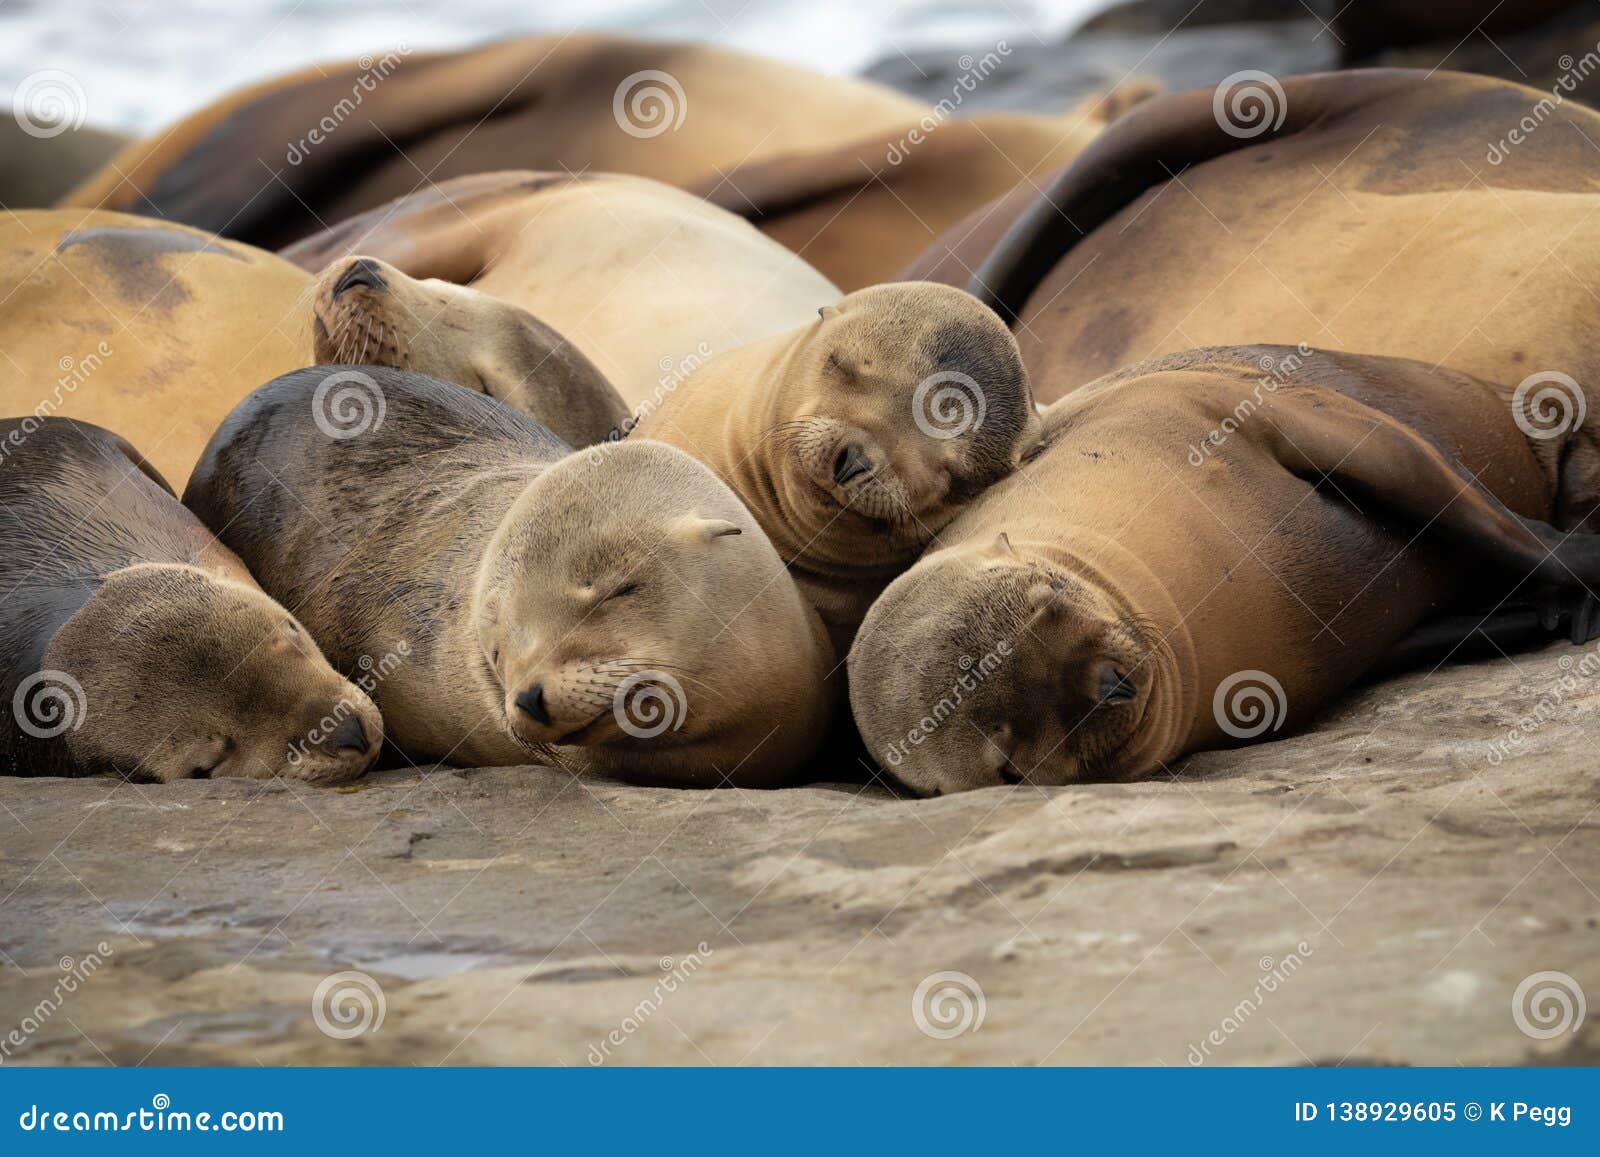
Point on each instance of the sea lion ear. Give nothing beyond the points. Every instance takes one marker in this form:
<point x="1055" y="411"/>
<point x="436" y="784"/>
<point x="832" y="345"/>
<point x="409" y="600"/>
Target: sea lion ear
<point x="1002" y="546"/>
<point x="693" y="528"/>
<point x="827" y="311"/>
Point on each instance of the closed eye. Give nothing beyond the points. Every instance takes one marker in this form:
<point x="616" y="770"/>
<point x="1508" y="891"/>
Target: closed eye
<point x="622" y="591"/>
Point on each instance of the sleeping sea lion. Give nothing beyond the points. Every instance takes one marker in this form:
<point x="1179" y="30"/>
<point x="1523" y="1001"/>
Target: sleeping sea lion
<point x="133" y="643"/>
<point x="277" y="161"/>
<point x="620" y="604"/>
<point x="854" y="438"/>
<point x="158" y="330"/>
<point x="1199" y="555"/>
<point x="1358" y="210"/>
<point x="644" y="279"/>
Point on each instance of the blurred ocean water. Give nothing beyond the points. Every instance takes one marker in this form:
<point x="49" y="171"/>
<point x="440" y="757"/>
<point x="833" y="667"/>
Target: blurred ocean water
<point x="138" y="64"/>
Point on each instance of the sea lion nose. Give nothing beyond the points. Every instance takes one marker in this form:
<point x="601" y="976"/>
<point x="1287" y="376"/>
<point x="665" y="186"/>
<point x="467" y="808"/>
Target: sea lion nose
<point x="851" y="461"/>
<point x="352" y="736"/>
<point x="363" y="271"/>
<point x="531" y="704"/>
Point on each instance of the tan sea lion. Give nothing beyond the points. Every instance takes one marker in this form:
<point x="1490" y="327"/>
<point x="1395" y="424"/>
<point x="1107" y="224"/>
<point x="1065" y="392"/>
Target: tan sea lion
<point x="1357" y="210"/>
<point x="158" y="330"/>
<point x="277" y="161"/>
<point x="620" y="603"/>
<point x="855" y="437"/>
<point x="646" y="280"/>
<point x="1200" y="555"/>
<point x="862" y="211"/>
<point x="133" y="643"/>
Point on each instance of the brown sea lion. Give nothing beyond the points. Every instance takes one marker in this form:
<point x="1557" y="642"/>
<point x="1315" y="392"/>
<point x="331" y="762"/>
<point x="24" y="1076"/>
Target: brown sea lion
<point x="1200" y="555"/>
<point x="619" y="603"/>
<point x="645" y="279"/>
<point x="133" y="643"/>
<point x="855" y="437"/>
<point x="862" y="211"/>
<point x="277" y="161"/>
<point x="158" y="330"/>
<point x="1356" y="210"/>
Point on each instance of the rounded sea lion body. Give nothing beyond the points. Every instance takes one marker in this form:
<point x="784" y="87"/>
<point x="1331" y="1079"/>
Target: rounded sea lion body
<point x="544" y="598"/>
<point x="855" y="437"/>
<point x="646" y="280"/>
<point x="261" y="166"/>
<point x="1201" y="554"/>
<point x="158" y="330"/>
<point x="133" y="643"/>
<point x="1366" y="211"/>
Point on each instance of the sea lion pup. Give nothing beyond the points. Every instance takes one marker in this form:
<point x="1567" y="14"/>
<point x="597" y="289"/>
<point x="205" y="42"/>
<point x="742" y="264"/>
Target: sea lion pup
<point x="1339" y="210"/>
<point x="159" y="330"/>
<point x="133" y="643"/>
<point x="1192" y="560"/>
<point x="645" y="280"/>
<point x="620" y="603"/>
<point x="261" y="166"/>
<point x="854" y="438"/>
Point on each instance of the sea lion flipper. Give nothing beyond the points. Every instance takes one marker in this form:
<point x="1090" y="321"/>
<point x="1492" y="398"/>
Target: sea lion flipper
<point x="1319" y="433"/>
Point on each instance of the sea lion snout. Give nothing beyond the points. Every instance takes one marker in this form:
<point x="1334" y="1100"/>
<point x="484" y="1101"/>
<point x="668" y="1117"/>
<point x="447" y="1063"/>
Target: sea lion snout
<point x="361" y="273"/>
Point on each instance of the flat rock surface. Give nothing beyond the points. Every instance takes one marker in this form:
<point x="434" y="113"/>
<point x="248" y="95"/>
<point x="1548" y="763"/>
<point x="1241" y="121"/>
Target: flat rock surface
<point x="1373" y="891"/>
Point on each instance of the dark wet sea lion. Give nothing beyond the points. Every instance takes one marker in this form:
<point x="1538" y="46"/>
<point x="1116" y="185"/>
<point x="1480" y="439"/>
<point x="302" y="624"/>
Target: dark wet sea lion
<point x="1200" y="555"/>
<point x="133" y="643"/>
<point x="618" y="603"/>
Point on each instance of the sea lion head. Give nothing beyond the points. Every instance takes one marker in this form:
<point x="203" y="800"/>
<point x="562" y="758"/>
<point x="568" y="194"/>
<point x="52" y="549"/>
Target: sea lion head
<point x="898" y="406"/>
<point x="629" y="601"/>
<point x="367" y="312"/>
<point x="1000" y="665"/>
<point x="177" y="673"/>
